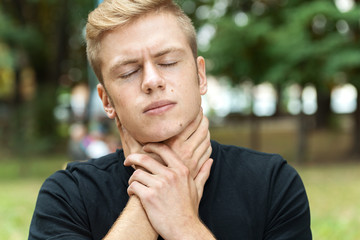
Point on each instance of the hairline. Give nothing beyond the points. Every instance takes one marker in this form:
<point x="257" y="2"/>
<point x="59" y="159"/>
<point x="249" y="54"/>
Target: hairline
<point x="96" y="61"/>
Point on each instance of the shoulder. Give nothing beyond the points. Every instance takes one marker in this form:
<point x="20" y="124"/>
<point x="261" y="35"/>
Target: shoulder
<point x="245" y="159"/>
<point x="69" y="178"/>
<point x="267" y="171"/>
<point x="79" y="171"/>
<point x="75" y="194"/>
<point x="236" y="152"/>
<point x="85" y="178"/>
<point x="271" y="183"/>
<point x="107" y="167"/>
<point x="102" y="163"/>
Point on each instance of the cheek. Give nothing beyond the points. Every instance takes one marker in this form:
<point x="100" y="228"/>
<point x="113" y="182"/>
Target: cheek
<point x="122" y="111"/>
<point x="119" y="106"/>
<point x="192" y="105"/>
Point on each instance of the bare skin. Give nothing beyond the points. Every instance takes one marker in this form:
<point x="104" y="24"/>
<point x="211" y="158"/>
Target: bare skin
<point x="168" y="194"/>
<point x="153" y="82"/>
<point x="194" y="145"/>
<point x="153" y="88"/>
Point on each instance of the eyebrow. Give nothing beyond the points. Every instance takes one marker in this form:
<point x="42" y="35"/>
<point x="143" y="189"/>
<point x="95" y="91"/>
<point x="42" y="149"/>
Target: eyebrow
<point x="166" y="51"/>
<point x="121" y="63"/>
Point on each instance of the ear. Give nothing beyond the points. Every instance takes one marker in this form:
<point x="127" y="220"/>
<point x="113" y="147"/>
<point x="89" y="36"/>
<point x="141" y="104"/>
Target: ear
<point x="200" y="61"/>
<point x="108" y="107"/>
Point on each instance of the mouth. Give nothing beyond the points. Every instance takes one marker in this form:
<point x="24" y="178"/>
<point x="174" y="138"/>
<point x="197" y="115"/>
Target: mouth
<point x="159" y="107"/>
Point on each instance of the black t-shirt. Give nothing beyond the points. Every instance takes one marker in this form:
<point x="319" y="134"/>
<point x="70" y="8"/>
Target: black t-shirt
<point x="249" y="195"/>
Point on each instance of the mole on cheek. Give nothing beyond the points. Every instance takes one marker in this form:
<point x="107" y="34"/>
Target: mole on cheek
<point x="172" y="90"/>
<point x="180" y="125"/>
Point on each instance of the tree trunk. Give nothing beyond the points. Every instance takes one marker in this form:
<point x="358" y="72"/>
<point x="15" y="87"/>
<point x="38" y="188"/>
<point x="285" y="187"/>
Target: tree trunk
<point x="17" y="136"/>
<point x="323" y="113"/>
<point x="46" y="97"/>
<point x="254" y="127"/>
<point x="302" y="143"/>
<point x="254" y="132"/>
<point x="302" y="148"/>
<point x="279" y="100"/>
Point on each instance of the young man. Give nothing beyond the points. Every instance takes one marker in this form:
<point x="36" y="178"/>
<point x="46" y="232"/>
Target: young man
<point x="163" y="184"/>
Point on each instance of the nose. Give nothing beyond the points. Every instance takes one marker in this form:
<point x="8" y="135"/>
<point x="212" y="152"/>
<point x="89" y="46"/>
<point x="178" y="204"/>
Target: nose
<point x="152" y="79"/>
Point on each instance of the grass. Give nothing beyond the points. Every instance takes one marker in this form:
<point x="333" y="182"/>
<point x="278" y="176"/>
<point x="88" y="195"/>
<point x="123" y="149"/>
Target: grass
<point x="334" y="194"/>
<point x="20" y="182"/>
<point x="17" y="201"/>
<point x="332" y="185"/>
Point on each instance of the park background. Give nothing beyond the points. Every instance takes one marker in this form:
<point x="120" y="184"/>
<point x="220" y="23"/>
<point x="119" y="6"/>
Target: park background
<point x="284" y="77"/>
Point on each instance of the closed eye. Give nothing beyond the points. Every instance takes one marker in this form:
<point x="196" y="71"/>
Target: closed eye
<point x="167" y="64"/>
<point x="128" y="74"/>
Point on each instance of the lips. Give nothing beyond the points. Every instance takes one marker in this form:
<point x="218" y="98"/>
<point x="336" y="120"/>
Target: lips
<point x="159" y="107"/>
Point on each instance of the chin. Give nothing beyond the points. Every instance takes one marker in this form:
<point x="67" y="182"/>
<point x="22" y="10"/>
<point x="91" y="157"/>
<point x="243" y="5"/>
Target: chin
<point x="158" y="137"/>
<point x="162" y="134"/>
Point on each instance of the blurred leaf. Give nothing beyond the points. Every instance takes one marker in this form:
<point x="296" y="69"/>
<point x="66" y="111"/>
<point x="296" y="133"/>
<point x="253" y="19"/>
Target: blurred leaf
<point x="6" y="57"/>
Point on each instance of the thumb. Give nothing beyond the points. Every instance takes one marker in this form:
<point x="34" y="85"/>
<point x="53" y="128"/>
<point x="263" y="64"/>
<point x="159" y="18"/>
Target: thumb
<point x="203" y="176"/>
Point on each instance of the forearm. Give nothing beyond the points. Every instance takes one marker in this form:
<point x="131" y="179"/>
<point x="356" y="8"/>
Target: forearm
<point x="203" y="233"/>
<point x="192" y="230"/>
<point x="133" y="223"/>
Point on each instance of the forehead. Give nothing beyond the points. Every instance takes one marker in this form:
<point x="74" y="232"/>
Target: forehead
<point x="150" y="33"/>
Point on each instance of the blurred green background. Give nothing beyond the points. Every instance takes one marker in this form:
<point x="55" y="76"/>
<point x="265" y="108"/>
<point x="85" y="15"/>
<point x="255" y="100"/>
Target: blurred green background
<point x="284" y="77"/>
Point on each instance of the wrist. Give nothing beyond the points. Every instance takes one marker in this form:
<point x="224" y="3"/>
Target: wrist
<point x="194" y="230"/>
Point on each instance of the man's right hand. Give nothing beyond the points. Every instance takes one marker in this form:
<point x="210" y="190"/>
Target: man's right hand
<point x="193" y="145"/>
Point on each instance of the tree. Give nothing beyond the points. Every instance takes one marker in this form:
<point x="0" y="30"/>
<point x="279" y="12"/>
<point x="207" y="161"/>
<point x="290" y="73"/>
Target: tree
<point x="49" y="35"/>
<point x="310" y="49"/>
<point x="283" y="43"/>
<point x="345" y="58"/>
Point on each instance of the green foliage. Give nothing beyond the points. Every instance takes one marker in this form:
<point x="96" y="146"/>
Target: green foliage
<point x="17" y="36"/>
<point x="305" y="50"/>
<point x="6" y="57"/>
<point x="239" y="52"/>
<point x="45" y="36"/>
<point x="343" y="59"/>
<point x="294" y="42"/>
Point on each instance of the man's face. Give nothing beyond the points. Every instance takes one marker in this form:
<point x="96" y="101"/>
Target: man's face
<point x="151" y="77"/>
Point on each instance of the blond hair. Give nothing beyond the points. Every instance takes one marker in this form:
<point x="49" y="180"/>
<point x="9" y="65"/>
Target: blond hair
<point x="111" y="14"/>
